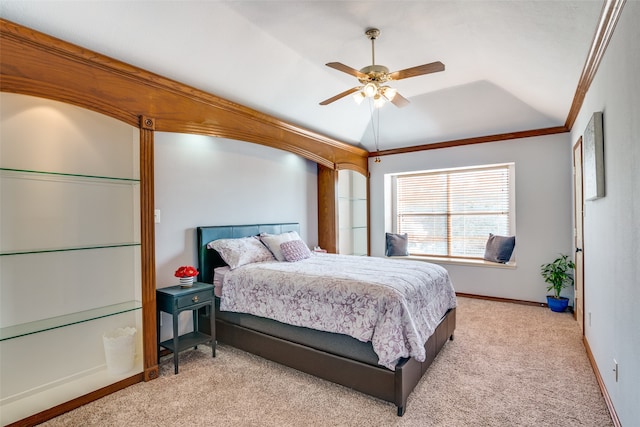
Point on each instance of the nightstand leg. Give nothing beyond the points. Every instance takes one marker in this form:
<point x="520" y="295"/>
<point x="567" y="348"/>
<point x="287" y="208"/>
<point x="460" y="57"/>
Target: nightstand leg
<point x="158" y="332"/>
<point x="212" y="317"/>
<point x="196" y="327"/>
<point x="175" y="342"/>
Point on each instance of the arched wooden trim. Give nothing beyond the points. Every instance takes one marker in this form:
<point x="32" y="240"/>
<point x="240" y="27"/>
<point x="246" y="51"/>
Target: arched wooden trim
<point x="34" y="63"/>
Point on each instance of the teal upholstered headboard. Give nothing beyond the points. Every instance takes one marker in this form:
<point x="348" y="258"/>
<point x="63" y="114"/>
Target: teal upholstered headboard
<point x="208" y="259"/>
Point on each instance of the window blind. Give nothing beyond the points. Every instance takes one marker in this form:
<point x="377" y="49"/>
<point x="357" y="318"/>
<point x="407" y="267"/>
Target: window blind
<point x="452" y="212"/>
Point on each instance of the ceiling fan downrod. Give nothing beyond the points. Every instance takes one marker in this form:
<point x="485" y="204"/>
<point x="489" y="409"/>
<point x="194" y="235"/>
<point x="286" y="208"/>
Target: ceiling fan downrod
<point x="373" y="34"/>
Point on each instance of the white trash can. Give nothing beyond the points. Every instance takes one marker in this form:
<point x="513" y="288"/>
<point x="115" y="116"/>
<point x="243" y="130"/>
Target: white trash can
<point x="120" y="349"/>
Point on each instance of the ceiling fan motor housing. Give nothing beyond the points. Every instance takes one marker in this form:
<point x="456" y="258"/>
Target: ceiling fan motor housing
<point x="375" y="73"/>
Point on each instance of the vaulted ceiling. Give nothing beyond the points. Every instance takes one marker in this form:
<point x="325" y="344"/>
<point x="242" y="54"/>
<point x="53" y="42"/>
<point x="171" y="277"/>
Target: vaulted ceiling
<point x="510" y="65"/>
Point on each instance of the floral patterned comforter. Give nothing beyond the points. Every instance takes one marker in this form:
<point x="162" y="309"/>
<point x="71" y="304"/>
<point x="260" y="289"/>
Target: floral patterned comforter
<point x="395" y="304"/>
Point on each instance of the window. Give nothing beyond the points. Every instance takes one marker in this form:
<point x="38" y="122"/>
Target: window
<point x="450" y="213"/>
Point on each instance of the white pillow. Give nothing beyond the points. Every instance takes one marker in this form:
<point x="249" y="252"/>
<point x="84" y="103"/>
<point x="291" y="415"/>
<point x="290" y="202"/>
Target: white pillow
<point x="273" y="242"/>
<point x="238" y="252"/>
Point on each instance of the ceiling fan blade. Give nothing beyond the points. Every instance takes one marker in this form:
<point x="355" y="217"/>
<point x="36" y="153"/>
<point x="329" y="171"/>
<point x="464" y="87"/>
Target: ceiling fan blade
<point x="346" y="69"/>
<point x="399" y="101"/>
<point x="340" y="95"/>
<point x="433" y="67"/>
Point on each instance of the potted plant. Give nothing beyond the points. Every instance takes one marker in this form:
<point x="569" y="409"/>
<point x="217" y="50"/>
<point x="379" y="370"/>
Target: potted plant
<point x="559" y="275"/>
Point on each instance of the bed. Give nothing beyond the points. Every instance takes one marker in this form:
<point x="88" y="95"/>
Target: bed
<point x="335" y="357"/>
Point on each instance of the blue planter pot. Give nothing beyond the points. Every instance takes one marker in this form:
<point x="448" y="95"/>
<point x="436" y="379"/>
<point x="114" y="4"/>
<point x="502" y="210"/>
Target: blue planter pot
<point x="557" y="304"/>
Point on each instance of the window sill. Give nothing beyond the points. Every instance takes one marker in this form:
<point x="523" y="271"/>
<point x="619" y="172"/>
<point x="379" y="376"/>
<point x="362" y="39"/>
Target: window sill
<point x="461" y="261"/>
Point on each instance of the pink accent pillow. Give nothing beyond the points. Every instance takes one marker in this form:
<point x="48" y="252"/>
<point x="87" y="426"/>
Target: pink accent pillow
<point x="295" y="250"/>
<point x="273" y="242"/>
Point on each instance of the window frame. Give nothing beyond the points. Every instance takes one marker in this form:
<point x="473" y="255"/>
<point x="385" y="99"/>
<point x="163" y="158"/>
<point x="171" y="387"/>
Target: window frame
<point x="391" y="216"/>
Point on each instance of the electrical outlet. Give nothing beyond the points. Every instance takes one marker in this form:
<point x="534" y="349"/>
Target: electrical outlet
<point x="616" y="369"/>
<point x="589" y="318"/>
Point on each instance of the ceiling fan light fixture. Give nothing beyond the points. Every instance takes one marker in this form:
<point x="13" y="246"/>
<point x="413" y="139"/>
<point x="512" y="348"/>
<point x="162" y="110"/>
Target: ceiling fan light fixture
<point x="379" y="101"/>
<point x="370" y="90"/>
<point x="359" y="96"/>
<point x="388" y="92"/>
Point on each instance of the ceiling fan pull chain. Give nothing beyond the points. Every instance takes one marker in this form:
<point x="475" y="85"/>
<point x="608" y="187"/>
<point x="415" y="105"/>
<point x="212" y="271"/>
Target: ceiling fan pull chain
<point x="375" y="128"/>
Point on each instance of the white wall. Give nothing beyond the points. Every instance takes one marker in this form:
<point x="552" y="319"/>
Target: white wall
<point x="203" y="180"/>
<point x="543" y="209"/>
<point x="612" y="224"/>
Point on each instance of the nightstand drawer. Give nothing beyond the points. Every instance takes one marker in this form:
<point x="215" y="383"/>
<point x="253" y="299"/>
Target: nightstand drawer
<point x="195" y="298"/>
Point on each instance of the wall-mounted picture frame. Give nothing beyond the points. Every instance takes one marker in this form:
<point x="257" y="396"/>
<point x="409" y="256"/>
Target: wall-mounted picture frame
<point x="593" y="158"/>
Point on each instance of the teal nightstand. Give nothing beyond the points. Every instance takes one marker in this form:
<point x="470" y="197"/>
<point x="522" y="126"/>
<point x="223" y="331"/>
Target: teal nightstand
<point x="174" y="300"/>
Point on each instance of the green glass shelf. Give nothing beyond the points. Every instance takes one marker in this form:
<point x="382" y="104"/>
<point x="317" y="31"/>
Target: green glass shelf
<point x="69" y="319"/>
<point x="70" y="175"/>
<point x="67" y="249"/>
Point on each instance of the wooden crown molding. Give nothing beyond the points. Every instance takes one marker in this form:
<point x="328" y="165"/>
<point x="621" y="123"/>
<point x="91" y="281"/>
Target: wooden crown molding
<point x="609" y="16"/>
<point x="33" y="63"/>
<point x="474" y="140"/>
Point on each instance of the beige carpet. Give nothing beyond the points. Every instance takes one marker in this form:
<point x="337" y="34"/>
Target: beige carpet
<point x="509" y="365"/>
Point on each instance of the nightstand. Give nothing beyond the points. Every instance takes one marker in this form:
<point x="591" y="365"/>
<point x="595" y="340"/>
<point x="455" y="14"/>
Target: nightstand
<point x="174" y="300"/>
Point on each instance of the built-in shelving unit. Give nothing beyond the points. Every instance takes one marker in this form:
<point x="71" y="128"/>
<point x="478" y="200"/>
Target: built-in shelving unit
<point x="353" y="232"/>
<point x="70" y="251"/>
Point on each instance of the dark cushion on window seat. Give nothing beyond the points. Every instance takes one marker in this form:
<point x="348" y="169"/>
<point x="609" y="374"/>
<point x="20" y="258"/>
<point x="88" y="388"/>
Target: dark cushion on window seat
<point x="397" y="244"/>
<point x="499" y="248"/>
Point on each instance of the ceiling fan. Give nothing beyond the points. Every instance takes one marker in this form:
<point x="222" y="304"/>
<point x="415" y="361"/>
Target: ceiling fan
<point x="373" y="78"/>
